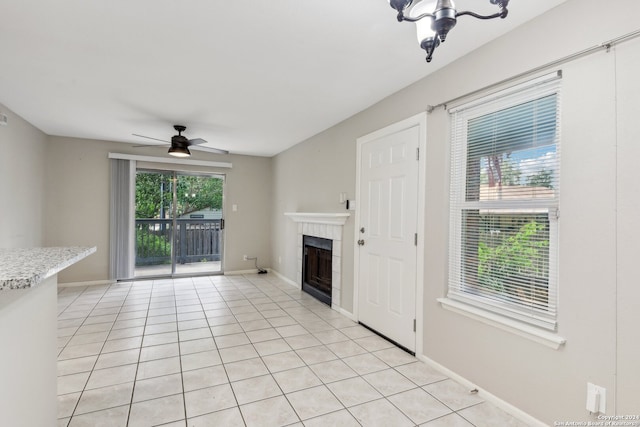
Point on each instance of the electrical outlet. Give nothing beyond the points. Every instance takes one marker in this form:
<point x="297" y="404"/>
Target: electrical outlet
<point x="596" y="399"/>
<point x="245" y="258"/>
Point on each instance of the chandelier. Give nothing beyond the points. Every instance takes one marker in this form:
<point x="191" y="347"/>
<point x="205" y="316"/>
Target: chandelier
<point x="434" y="19"/>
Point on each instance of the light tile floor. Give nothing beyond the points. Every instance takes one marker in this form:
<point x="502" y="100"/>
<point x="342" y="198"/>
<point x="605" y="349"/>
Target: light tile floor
<point x="240" y="351"/>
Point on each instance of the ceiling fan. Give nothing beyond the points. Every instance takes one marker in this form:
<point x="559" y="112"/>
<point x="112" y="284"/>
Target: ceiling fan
<point x="180" y="144"/>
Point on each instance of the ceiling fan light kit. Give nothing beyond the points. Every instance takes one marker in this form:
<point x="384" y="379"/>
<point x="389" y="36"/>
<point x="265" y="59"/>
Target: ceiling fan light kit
<point x="178" y="151"/>
<point x="434" y="19"/>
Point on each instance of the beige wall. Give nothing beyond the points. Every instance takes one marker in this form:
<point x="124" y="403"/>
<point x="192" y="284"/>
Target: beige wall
<point x="309" y="178"/>
<point x="627" y="291"/>
<point x="22" y="169"/>
<point x="77" y="203"/>
<point x="599" y="210"/>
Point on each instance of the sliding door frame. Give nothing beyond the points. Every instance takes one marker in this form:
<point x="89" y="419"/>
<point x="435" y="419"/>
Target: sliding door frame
<point x="174" y="175"/>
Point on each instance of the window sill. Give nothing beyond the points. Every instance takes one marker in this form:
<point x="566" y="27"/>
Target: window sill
<point x="534" y="334"/>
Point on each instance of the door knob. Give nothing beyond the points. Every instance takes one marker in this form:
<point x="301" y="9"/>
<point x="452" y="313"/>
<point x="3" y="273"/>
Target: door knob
<point x="362" y="230"/>
<point x="360" y="242"/>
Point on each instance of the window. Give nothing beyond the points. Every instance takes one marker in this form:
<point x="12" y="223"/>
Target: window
<point x="504" y="203"/>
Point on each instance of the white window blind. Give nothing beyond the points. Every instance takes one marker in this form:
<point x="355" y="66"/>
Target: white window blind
<point x="504" y="202"/>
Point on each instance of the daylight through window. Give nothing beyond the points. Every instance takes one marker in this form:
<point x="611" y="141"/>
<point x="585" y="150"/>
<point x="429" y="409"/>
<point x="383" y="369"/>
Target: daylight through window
<point x="504" y="203"/>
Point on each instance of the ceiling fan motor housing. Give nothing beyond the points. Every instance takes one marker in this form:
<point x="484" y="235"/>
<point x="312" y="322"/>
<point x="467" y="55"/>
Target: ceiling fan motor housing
<point x="179" y="140"/>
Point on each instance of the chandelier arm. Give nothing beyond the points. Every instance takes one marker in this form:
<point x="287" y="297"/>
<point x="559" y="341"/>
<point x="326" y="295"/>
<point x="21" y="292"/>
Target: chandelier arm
<point x="415" y="18"/>
<point x="475" y="15"/>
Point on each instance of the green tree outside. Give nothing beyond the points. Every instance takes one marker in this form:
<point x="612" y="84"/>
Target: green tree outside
<point x="197" y="192"/>
<point x="544" y="178"/>
<point x="500" y="170"/>
<point x="154" y="194"/>
<point x="154" y="199"/>
<point x="516" y="259"/>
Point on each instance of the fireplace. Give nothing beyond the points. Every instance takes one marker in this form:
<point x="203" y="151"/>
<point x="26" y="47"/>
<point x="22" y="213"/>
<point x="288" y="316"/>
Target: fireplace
<point x="327" y="226"/>
<point x="316" y="267"/>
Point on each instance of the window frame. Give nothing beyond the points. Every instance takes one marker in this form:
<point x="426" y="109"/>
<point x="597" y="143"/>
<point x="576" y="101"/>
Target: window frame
<point x="460" y="117"/>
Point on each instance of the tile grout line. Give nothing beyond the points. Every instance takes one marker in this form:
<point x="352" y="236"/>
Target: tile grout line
<point x="221" y="362"/>
<point x="135" y="376"/>
<point x="262" y="360"/>
<point x="184" y="395"/>
<point x="102" y="347"/>
<point x="305" y="365"/>
<point x="97" y="356"/>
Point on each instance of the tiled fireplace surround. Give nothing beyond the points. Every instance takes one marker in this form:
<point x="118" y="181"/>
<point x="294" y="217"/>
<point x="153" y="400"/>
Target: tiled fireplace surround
<point x="326" y="226"/>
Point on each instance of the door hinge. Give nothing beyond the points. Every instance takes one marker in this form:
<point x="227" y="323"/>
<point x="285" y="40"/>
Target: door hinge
<point x="415" y="239"/>
<point x="418" y="153"/>
<point x="414" y="325"/>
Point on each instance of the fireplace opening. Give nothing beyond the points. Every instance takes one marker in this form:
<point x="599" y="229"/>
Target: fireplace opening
<point x="316" y="267"/>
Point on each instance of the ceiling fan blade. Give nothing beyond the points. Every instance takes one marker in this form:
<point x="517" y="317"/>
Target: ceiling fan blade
<point x="197" y="141"/>
<point x="148" y="137"/>
<point x="209" y="150"/>
<point x="148" y="145"/>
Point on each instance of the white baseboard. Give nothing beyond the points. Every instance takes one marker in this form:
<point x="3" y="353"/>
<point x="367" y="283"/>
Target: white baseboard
<point x="489" y="397"/>
<point x="90" y="283"/>
<point x="345" y="313"/>
<point x="284" y="278"/>
<point x="339" y="309"/>
<point x="241" y="272"/>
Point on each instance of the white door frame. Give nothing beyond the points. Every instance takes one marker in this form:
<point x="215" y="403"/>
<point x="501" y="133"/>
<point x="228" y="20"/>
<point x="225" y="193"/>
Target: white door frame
<point x="419" y="120"/>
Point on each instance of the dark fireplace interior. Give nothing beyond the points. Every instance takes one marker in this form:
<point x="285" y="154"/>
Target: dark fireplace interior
<point x="316" y="268"/>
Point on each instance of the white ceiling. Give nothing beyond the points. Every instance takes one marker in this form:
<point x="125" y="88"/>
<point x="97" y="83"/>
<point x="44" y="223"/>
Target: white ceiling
<point x="252" y="77"/>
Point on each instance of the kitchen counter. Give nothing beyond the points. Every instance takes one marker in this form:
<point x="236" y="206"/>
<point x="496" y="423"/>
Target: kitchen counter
<point x="28" y="326"/>
<point x="27" y="267"/>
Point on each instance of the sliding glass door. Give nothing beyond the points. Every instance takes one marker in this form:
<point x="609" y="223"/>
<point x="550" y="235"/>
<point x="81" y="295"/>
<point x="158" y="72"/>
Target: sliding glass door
<point x="179" y="225"/>
<point x="198" y="236"/>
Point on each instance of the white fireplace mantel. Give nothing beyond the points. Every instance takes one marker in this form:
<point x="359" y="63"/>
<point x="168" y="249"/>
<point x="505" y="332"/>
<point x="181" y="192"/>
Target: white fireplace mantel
<point x="319" y="218"/>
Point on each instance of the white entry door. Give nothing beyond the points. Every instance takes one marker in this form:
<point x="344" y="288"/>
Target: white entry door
<point x="387" y="227"/>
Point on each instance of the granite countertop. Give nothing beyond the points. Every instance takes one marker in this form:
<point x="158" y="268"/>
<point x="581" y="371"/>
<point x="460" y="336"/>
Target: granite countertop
<point x="22" y="268"/>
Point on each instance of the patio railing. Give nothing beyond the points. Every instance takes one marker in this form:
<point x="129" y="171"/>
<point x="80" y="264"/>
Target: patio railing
<point x="196" y="240"/>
